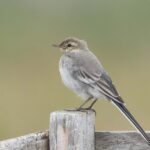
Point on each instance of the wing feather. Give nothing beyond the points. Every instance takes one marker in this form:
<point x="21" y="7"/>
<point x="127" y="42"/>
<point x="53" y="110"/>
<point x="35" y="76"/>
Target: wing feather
<point x="101" y="82"/>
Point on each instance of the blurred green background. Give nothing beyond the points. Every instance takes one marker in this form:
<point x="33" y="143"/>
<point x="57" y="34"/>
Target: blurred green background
<point x="117" y="31"/>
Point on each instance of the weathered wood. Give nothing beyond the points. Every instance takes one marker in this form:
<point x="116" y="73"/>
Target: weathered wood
<point x="72" y="130"/>
<point x="34" y="141"/>
<point x="103" y="141"/>
<point x="120" y="141"/>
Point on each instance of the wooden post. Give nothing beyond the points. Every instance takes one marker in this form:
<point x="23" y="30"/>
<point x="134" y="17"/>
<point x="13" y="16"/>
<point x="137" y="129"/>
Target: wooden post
<point x="72" y="130"/>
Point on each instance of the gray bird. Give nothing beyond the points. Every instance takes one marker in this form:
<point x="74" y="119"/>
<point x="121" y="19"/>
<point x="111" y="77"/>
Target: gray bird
<point x="83" y="73"/>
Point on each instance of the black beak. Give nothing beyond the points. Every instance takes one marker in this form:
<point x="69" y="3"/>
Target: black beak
<point x="56" y="45"/>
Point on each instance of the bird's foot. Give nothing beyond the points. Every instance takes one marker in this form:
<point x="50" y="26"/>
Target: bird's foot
<point x="71" y="109"/>
<point x="85" y="109"/>
<point x="81" y="109"/>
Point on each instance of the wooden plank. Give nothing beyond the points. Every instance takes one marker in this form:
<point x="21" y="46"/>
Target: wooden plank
<point x="128" y="140"/>
<point x="34" y="141"/>
<point x="72" y="130"/>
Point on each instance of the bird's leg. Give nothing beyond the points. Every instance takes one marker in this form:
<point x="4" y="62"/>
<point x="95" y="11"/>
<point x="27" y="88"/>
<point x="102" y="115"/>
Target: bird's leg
<point x="81" y="107"/>
<point x="90" y="107"/>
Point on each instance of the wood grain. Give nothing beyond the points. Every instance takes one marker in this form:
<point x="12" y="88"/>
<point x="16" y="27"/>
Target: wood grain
<point x="72" y="130"/>
<point x="34" y="141"/>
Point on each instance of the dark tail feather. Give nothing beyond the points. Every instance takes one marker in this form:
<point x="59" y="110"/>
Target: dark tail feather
<point x="130" y="117"/>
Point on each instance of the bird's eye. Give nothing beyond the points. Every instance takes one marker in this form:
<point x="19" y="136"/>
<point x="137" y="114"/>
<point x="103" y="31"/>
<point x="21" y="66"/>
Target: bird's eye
<point x="69" y="45"/>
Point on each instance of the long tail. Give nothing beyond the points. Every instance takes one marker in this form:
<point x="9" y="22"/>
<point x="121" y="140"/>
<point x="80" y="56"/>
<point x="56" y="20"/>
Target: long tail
<point x="130" y="117"/>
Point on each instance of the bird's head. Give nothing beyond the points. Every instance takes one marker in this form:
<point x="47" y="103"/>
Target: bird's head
<point x="71" y="43"/>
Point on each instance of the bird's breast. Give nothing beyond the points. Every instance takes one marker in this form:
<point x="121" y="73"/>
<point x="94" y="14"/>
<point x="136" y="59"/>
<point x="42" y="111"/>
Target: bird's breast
<point x="66" y="69"/>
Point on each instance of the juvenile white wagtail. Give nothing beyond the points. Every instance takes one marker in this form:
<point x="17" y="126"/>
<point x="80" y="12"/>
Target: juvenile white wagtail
<point x="83" y="73"/>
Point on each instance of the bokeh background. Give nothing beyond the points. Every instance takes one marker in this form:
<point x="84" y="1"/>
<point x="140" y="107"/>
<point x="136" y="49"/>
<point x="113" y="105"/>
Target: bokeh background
<point x="117" y="31"/>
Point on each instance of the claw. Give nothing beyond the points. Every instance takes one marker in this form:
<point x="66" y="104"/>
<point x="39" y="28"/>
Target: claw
<point x="84" y="109"/>
<point x="81" y="109"/>
<point x="71" y="109"/>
